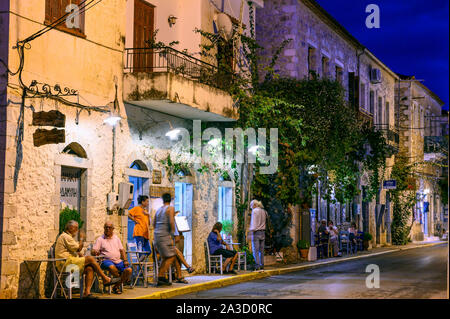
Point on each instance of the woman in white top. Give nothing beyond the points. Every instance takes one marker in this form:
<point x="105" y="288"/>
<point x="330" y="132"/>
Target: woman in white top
<point x="333" y="238"/>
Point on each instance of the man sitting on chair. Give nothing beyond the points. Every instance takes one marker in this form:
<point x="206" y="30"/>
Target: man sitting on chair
<point x="215" y="243"/>
<point x="110" y="248"/>
<point x="68" y="248"/>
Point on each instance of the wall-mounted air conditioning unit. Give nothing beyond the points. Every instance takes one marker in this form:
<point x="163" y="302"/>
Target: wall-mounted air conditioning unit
<point x="125" y="195"/>
<point x="375" y="75"/>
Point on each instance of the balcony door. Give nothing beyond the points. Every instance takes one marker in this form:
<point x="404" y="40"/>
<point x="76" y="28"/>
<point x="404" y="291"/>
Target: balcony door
<point x="144" y="19"/>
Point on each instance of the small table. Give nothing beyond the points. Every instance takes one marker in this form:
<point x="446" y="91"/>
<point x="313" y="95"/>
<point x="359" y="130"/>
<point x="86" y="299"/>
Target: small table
<point x="33" y="275"/>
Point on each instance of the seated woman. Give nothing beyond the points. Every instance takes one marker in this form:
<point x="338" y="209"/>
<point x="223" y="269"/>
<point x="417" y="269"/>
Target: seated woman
<point x="68" y="248"/>
<point x="215" y="243"/>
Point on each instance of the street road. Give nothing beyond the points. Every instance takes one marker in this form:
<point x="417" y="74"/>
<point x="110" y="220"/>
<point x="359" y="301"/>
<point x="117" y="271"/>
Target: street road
<point x="414" y="273"/>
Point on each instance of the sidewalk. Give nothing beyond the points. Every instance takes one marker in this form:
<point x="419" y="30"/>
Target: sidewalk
<point x="205" y="282"/>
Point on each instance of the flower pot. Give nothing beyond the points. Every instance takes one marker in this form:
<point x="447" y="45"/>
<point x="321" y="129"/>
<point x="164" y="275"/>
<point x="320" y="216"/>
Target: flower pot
<point x="366" y="244"/>
<point x="304" y="253"/>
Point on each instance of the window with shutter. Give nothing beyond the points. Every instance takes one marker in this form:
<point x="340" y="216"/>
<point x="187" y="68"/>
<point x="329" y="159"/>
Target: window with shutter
<point x="56" y="9"/>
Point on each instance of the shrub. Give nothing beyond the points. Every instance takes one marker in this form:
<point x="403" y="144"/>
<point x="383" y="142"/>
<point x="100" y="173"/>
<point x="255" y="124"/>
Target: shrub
<point x="68" y="214"/>
<point x="250" y="258"/>
<point x="367" y="237"/>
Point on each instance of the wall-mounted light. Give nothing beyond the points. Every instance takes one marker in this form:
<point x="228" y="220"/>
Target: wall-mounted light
<point x="172" y="20"/>
<point x="114" y="116"/>
<point x="173" y="133"/>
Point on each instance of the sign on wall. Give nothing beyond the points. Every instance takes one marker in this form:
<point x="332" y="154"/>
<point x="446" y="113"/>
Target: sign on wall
<point x="156" y="177"/>
<point x="390" y="184"/>
<point x="158" y="191"/>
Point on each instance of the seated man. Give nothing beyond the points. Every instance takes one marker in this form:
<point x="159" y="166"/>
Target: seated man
<point x="215" y="243"/>
<point x="68" y="248"/>
<point x="110" y="248"/>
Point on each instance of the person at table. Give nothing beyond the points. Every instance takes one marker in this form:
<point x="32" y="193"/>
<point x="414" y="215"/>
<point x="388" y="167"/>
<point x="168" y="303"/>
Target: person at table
<point x="115" y="261"/>
<point x="141" y="217"/>
<point x="352" y="235"/>
<point x="179" y="247"/>
<point x="257" y="232"/>
<point x="215" y="243"/>
<point x="164" y="229"/>
<point x="68" y="248"/>
<point x="323" y="234"/>
<point x="333" y="232"/>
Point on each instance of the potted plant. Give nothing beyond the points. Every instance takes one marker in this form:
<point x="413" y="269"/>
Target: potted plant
<point x="66" y="214"/>
<point x="303" y="248"/>
<point x="227" y="228"/>
<point x="367" y="237"/>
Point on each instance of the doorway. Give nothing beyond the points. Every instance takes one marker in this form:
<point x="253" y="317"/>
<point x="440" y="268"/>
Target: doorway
<point x="73" y="190"/>
<point x="143" y="32"/>
<point x="140" y="187"/>
<point x="183" y="203"/>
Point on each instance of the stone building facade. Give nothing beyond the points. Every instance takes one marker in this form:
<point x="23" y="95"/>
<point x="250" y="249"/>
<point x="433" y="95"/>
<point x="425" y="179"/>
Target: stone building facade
<point x="92" y="59"/>
<point x="320" y="45"/>
<point x="420" y="142"/>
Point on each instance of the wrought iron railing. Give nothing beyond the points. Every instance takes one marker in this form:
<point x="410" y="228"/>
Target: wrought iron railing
<point x="435" y="144"/>
<point x="167" y="59"/>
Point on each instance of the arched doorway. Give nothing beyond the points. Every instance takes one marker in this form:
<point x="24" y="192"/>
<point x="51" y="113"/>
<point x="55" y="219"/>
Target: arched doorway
<point x="73" y="181"/>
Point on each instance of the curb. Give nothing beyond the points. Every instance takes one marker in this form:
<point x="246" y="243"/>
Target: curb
<point x="218" y="283"/>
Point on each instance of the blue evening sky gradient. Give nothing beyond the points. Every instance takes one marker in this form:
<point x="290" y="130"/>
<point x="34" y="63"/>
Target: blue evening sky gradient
<point x="413" y="38"/>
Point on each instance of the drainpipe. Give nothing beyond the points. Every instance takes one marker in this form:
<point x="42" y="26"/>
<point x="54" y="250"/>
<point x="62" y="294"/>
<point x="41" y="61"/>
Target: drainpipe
<point x="358" y="198"/>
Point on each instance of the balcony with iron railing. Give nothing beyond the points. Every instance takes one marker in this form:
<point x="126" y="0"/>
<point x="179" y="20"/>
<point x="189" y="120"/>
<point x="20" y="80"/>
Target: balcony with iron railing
<point x="167" y="79"/>
<point x="365" y="116"/>
<point x="435" y="148"/>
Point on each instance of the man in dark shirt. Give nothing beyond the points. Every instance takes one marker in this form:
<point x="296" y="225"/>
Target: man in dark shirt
<point x="323" y="237"/>
<point x="215" y="243"/>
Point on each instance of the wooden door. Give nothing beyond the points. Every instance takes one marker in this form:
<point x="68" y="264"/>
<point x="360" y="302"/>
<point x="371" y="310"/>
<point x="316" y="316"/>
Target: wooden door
<point x="143" y="31"/>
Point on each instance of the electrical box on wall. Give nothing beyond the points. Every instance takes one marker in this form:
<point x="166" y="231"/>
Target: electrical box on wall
<point x="112" y="201"/>
<point x="125" y="195"/>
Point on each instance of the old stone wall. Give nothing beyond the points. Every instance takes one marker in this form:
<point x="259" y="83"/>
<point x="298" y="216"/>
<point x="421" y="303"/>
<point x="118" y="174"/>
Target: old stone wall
<point x="31" y="202"/>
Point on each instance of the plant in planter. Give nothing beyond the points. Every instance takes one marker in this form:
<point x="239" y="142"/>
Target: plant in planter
<point x="303" y="248"/>
<point x="367" y="237"/>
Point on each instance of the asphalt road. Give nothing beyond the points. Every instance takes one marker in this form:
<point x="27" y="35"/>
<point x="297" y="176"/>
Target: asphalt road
<point x="415" y="273"/>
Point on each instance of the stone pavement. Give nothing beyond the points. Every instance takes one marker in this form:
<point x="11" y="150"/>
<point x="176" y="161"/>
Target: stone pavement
<point x="205" y="281"/>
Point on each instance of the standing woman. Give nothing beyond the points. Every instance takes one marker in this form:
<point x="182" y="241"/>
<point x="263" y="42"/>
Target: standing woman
<point x="258" y="232"/>
<point x="164" y="229"/>
<point x="141" y="217"/>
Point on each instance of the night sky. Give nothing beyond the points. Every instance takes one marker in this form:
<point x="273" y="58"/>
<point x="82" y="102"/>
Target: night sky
<point x="413" y="38"/>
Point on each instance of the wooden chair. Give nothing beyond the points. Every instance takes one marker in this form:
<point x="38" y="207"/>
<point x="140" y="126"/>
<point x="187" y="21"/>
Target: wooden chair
<point x="215" y="262"/>
<point x="344" y="242"/>
<point x="242" y="255"/>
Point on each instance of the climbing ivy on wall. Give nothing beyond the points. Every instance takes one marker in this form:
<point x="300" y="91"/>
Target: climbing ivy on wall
<point x="403" y="199"/>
